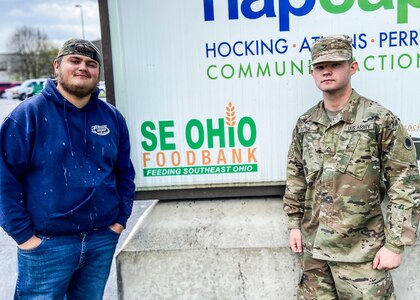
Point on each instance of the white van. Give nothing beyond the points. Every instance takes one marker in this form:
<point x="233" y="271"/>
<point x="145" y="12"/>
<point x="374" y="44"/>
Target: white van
<point x="26" y="89"/>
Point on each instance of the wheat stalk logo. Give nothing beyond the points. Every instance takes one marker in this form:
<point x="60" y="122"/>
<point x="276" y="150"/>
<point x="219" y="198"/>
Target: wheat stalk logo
<point x="230" y="115"/>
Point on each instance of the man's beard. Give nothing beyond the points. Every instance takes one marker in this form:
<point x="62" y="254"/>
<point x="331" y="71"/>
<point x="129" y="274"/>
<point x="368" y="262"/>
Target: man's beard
<point x="78" y="91"/>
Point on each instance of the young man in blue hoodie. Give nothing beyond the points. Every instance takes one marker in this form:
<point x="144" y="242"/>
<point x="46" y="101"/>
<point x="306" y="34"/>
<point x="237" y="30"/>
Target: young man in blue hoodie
<point x="66" y="181"/>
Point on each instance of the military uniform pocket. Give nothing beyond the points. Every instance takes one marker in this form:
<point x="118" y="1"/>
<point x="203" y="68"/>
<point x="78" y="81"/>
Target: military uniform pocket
<point x="355" y="154"/>
<point x="311" y="153"/>
<point x="345" y="151"/>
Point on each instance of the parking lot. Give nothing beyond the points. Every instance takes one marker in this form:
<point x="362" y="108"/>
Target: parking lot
<point x="6" y="106"/>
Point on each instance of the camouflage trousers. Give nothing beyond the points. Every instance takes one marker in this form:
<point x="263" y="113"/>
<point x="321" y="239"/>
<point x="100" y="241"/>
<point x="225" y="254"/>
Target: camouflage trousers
<point x="326" y="280"/>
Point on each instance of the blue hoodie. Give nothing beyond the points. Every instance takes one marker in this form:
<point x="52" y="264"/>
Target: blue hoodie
<point x="63" y="170"/>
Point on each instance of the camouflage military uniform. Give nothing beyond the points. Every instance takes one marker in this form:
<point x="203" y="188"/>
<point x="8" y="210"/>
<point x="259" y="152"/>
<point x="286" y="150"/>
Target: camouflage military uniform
<point x="335" y="182"/>
<point x="338" y="172"/>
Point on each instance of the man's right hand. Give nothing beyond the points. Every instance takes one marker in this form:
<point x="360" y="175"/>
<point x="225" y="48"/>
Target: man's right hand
<point x="295" y="240"/>
<point x="32" y="243"/>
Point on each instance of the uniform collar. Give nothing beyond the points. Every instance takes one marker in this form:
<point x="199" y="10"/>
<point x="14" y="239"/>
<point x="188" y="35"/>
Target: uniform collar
<point x="348" y="114"/>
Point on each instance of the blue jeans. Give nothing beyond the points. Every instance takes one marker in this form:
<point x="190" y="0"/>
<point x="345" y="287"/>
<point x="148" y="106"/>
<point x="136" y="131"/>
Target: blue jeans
<point x="66" y="267"/>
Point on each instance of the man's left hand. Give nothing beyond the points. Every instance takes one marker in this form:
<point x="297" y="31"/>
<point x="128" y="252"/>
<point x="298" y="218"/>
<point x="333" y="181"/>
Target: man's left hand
<point x="386" y="259"/>
<point x="116" y="227"/>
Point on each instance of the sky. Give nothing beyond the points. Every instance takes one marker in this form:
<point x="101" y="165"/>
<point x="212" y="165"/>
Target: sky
<point x="60" y="20"/>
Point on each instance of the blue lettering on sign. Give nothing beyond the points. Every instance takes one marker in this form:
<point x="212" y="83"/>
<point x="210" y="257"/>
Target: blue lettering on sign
<point x="285" y="8"/>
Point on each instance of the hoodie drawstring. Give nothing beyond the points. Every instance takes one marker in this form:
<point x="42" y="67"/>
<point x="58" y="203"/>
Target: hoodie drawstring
<point x="68" y="129"/>
<point x="85" y="137"/>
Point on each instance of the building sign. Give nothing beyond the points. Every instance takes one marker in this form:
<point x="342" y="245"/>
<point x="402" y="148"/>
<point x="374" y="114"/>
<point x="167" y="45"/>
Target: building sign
<point x="211" y="89"/>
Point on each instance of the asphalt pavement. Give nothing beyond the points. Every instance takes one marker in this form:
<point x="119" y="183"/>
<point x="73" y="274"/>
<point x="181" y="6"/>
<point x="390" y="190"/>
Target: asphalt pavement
<point x="6" y="106"/>
<point x="8" y="246"/>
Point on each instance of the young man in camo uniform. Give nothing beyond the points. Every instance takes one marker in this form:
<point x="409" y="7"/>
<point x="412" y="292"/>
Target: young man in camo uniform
<point x="347" y="153"/>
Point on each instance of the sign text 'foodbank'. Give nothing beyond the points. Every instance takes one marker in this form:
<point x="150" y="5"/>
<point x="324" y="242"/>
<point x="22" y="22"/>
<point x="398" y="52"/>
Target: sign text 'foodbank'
<point x="214" y="146"/>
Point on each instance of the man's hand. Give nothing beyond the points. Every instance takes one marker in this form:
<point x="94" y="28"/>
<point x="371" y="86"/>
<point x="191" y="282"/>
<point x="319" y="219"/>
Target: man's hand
<point x="295" y="240"/>
<point x="32" y="243"/>
<point x="117" y="228"/>
<point x="386" y="259"/>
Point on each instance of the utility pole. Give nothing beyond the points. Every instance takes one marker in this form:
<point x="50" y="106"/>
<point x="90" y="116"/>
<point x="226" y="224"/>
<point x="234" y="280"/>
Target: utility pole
<point x="81" y="16"/>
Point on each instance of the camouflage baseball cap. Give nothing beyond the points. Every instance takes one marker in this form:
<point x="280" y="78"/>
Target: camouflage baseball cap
<point x="331" y="48"/>
<point x="80" y="47"/>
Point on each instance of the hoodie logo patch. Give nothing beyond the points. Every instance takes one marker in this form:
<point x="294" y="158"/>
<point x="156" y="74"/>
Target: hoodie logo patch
<point x="100" y="129"/>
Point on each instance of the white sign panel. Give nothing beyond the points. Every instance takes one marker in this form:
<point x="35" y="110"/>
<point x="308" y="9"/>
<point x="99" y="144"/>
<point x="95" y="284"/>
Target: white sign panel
<point x="211" y="89"/>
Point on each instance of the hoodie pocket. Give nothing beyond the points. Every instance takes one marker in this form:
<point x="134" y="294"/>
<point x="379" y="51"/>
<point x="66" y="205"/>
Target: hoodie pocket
<point x="98" y="209"/>
<point x="79" y="207"/>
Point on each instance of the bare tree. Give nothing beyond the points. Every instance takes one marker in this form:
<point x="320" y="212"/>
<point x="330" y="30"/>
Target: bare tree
<point x="33" y="53"/>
